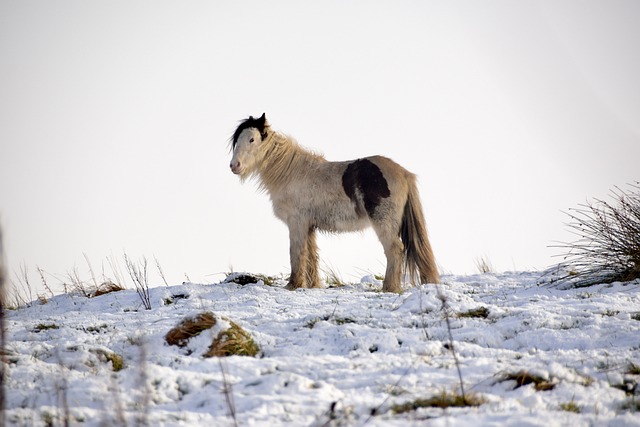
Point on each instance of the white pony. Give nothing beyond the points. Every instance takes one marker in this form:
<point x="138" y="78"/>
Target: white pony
<point x="310" y="193"/>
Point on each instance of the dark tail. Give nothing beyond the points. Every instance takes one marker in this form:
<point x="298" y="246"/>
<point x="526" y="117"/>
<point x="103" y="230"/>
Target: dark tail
<point x="418" y="255"/>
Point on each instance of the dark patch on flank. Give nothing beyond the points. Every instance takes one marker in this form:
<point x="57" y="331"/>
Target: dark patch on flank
<point x="259" y="123"/>
<point x="365" y="177"/>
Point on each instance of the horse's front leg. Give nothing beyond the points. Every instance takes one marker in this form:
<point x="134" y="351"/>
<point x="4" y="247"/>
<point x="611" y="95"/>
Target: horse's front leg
<point x="313" y="278"/>
<point x="298" y="253"/>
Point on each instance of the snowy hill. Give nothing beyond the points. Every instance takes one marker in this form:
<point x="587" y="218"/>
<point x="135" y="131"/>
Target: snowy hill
<point x="350" y="355"/>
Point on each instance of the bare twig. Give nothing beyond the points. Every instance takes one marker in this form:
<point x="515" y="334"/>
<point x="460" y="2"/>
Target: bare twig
<point x="142" y="418"/>
<point x="93" y="276"/>
<point x="117" y="273"/>
<point x="445" y="308"/>
<point x="77" y="284"/>
<point x="228" y="393"/>
<point x="62" y="394"/>
<point x="140" y="279"/>
<point x="25" y="284"/>
<point x="44" y="281"/>
<point x="159" y="267"/>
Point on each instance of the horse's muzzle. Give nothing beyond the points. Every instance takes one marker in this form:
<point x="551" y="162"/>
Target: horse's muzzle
<point x="236" y="168"/>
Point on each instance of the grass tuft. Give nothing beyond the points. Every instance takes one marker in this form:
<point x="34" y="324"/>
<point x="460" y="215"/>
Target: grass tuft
<point x="570" y="407"/>
<point x="523" y="378"/>
<point x="117" y="361"/>
<point x="45" y="327"/>
<point x="484" y="265"/>
<point x="632" y="369"/>
<point x="234" y="341"/>
<point x="333" y="278"/>
<point x="231" y="341"/>
<point x="189" y="328"/>
<point x="480" y="312"/>
<point x="443" y="400"/>
<point x="107" y="287"/>
<point x="631" y="405"/>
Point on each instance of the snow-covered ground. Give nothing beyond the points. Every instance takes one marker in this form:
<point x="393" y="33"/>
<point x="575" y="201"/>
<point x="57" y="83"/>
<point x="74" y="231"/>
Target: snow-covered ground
<point x="336" y="356"/>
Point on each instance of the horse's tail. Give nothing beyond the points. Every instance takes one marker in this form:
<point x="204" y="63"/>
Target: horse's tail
<point x="418" y="255"/>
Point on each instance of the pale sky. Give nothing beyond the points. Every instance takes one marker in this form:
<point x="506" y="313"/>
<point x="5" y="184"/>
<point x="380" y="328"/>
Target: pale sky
<point x="115" y="118"/>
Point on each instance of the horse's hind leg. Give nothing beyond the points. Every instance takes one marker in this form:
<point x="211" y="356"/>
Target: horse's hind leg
<point x="393" y="249"/>
<point x="312" y="277"/>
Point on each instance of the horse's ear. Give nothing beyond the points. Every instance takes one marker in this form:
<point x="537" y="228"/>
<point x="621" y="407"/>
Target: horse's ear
<point x="264" y="124"/>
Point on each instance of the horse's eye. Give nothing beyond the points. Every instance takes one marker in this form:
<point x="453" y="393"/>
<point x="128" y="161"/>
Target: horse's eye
<point x="251" y="140"/>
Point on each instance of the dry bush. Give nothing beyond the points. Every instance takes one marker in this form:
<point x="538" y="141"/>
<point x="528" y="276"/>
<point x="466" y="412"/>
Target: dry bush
<point x="231" y="341"/>
<point x="140" y="278"/>
<point x="608" y="245"/>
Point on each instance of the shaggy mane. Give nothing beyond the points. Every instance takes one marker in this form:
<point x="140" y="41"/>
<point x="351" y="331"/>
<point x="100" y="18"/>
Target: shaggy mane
<point x="285" y="160"/>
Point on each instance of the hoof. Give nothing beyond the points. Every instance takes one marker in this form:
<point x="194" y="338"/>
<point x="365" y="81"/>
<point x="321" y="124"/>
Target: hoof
<point x="292" y="286"/>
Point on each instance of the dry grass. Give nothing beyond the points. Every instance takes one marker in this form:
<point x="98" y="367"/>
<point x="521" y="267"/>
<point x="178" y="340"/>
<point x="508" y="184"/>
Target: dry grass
<point x="232" y="341"/>
<point x="570" y="407"/>
<point x="442" y="400"/>
<point x="189" y="328"/>
<point x="483" y="265"/>
<point x="523" y="378"/>
<point x="480" y="312"/>
<point x="117" y="361"/>
<point x="107" y="288"/>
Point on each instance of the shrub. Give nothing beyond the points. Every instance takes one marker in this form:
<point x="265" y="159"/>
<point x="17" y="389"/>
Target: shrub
<point x="608" y="245"/>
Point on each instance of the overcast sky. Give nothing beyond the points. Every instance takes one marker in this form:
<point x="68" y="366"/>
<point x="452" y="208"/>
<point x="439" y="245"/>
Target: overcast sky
<point x="115" y="118"/>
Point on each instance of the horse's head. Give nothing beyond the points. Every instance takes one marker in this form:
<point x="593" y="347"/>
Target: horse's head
<point x="247" y="143"/>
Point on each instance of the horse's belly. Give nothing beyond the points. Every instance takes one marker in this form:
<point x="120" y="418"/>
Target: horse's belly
<point x="340" y="222"/>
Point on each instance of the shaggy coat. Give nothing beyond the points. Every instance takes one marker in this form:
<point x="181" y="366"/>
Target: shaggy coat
<point x="309" y="193"/>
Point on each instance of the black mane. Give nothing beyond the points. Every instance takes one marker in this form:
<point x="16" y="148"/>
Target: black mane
<point x="260" y="124"/>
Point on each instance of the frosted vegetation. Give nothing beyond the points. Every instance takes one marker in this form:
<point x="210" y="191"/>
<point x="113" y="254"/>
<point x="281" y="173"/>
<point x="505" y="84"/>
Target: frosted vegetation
<point x="527" y="354"/>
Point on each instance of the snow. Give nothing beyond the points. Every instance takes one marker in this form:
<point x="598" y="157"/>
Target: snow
<point x="330" y="357"/>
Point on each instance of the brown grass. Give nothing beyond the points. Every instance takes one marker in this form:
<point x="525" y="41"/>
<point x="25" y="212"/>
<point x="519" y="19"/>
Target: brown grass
<point x="107" y="288"/>
<point x="480" y="312"/>
<point x="443" y="400"/>
<point x="523" y="378"/>
<point x="231" y="341"/>
<point x="189" y="328"/>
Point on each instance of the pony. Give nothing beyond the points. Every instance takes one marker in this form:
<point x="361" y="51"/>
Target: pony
<point x="310" y="194"/>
